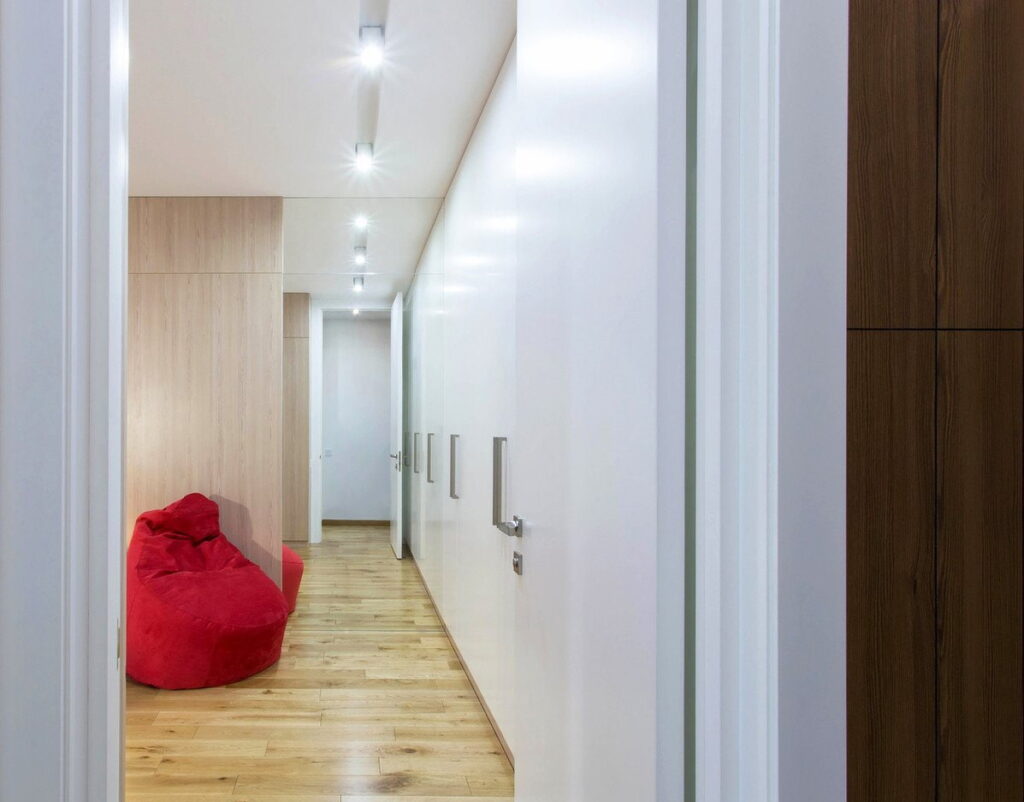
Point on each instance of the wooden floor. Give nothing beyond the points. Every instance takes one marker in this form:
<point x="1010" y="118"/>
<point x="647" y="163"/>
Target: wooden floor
<point x="368" y="702"/>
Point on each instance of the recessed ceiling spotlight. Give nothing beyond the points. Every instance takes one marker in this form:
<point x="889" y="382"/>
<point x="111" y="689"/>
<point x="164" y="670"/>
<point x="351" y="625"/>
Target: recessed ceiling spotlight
<point x="364" y="157"/>
<point x="361" y="221"/>
<point x="357" y="283"/>
<point x="371" y="46"/>
<point x="360" y="255"/>
<point x="355" y="311"/>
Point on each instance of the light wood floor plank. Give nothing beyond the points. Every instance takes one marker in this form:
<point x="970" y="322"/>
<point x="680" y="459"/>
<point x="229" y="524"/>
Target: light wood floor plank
<point x="369" y="703"/>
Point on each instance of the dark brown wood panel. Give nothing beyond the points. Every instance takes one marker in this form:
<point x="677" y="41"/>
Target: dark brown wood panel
<point x="892" y="145"/>
<point x="980" y="450"/>
<point x="981" y="164"/>
<point x="891" y="566"/>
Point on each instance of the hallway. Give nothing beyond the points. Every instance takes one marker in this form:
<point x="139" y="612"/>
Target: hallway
<point x="368" y="702"/>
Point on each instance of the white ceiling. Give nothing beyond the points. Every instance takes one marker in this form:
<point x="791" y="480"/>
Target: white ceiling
<point x="259" y="97"/>
<point x="263" y="97"/>
<point x="319" y="243"/>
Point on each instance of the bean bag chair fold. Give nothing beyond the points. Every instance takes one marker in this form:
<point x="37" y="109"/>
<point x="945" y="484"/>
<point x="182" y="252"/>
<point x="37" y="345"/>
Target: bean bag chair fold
<point x="291" y="576"/>
<point x="199" y="613"/>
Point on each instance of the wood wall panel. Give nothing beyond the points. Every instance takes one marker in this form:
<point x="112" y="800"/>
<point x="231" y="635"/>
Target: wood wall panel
<point x="890" y="566"/>
<point x="981" y="449"/>
<point x="204" y="364"/>
<point x="981" y="164"/>
<point x="205" y="235"/>
<point x="892" y="146"/>
<point x="936" y="130"/>
<point x="296" y="314"/>
<point x="295" y="501"/>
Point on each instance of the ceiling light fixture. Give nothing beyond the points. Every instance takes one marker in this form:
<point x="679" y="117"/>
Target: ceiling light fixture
<point x="371" y="46"/>
<point x="364" y="157"/>
<point x="360" y="255"/>
<point x="355" y="311"/>
<point x="361" y="221"/>
<point x="357" y="283"/>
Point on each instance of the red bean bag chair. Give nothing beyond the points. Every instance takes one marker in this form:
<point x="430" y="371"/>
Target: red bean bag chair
<point x="291" y="576"/>
<point x="199" y="613"/>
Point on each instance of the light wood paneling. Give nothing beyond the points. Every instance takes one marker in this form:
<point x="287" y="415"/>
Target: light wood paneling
<point x="295" y="501"/>
<point x="296" y="314"/>
<point x="981" y="164"/>
<point x="369" y="701"/>
<point x="204" y="401"/>
<point x="890" y="566"/>
<point x="981" y="484"/>
<point x="892" y="145"/>
<point x="205" y="235"/>
<point x="204" y="363"/>
<point x="296" y="439"/>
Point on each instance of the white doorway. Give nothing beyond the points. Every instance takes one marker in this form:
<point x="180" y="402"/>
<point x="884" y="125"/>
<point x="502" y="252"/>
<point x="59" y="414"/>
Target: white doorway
<point x="352" y="415"/>
<point x="397" y="423"/>
<point x="75" y="225"/>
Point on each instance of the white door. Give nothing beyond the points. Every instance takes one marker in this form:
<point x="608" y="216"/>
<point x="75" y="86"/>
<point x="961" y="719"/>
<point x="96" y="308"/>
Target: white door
<point x="582" y="461"/>
<point x="396" y="425"/>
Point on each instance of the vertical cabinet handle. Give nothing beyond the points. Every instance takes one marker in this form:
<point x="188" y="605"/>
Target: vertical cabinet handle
<point x="430" y="458"/>
<point x="416" y="453"/>
<point x="453" y="452"/>
<point x="515" y="526"/>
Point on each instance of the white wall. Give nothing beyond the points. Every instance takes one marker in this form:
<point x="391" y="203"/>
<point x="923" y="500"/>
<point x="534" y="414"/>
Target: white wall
<point x="356" y="406"/>
<point x="63" y="214"/>
<point x="812" y="400"/>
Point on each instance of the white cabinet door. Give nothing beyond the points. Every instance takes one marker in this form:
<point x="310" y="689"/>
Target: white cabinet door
<point x="431" y="334"/>
<point x="479" y="369"/>
<point x="583" y="462"/>
<point x="433" y="423"/>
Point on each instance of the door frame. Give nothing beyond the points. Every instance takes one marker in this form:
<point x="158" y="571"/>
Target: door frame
<point x="63" y="215"/>
<point x="768" y="351"/>
<point x="787" y="226"/>
<point x="397" y="409"/>
<point x="318" y="307"/>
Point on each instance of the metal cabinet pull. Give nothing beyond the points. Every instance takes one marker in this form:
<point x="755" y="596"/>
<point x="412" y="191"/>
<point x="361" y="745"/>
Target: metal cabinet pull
<point x="453" y="452"/>
<point x="416" y="453"/>
<point x="430" y="458"/>
<point x="515" y="526"/>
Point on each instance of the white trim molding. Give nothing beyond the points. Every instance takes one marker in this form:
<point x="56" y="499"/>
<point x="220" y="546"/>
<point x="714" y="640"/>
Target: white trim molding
<point x="316" y="420"/>
<point x="63" y="201"/>
<point x="770" y="401"/>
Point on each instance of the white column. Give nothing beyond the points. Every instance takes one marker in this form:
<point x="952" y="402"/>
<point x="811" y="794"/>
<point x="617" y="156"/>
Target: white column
<point x="63" y="90"/>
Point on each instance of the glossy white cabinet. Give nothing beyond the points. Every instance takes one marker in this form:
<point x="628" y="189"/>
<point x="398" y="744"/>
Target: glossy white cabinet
<point x="462" y="367"/>
<point x="584" y="471"/>
<point x="426" y="410"/>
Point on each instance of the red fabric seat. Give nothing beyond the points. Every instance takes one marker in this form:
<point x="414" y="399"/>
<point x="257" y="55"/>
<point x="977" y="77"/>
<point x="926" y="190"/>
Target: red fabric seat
<point x="291" y="576"/>
<point x="199" y="613"/>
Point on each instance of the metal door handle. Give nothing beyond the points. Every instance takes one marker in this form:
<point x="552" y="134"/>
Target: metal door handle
<point x="452" y="472"/>
<point x="515" y="526"/>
